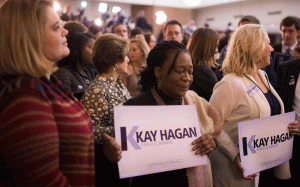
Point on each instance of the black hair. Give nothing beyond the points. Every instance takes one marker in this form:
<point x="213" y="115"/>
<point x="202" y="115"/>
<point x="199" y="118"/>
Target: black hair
<point x="147" y="36"/>
<point x="136" y="31"/>
<point x="173" y="22"/>
<point x="94" y="29"/>
<point x="249" y="18"/>
<point x="156" y="58"/>
<point x="290" y="21"/>
<point x="116" y="24"/>
<point x="75" y="27"/>
<point x="76" y="43"/>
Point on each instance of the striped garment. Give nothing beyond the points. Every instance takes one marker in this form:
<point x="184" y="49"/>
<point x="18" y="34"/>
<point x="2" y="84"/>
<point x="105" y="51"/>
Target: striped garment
<point x="46" y="136"/>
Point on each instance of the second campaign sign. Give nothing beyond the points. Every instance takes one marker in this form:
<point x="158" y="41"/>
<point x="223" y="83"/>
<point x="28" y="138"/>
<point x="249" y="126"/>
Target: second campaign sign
<point x="156" y="138"/>
<point x="265" y="143"/>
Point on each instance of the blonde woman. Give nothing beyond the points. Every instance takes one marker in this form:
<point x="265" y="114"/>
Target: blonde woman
<point x="248" y="51"/>
<point x="138" y="53"/>
<point x="202" y="46"/>
<point x="41" y="122"/>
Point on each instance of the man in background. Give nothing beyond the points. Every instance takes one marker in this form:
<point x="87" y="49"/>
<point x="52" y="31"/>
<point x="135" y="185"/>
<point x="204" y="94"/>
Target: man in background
<point x="173" y="31"/>
<point x="120" y="29"/>
<point x="290" y="30"/>
<point x="289" y="90"/>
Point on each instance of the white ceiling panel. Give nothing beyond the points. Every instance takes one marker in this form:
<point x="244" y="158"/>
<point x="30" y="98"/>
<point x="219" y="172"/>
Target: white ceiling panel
<point x="175" y="3"/>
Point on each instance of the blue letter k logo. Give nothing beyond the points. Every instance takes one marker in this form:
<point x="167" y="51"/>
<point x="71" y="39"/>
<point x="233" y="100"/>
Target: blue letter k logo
<point x="124" y="138"/>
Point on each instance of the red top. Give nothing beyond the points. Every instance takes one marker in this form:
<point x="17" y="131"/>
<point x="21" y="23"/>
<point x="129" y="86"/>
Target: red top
<point x="46" y="136"/>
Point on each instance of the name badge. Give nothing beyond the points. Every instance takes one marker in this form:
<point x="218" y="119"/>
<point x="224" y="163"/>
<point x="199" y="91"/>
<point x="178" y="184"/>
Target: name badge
<point x="252" y="89"/>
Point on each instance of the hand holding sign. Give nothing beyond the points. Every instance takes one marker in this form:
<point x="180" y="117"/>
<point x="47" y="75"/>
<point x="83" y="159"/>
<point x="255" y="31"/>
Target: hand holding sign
<point x="112" y="150"/>
<point x="204" y="145"/>
<point x="238" y="162"/>
<point x="293" y="128"/>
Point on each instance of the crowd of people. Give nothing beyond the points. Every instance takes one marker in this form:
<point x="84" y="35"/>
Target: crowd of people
<point x="61" y="80"/>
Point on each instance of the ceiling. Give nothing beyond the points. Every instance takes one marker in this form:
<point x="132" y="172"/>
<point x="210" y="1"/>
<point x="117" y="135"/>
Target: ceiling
<point x="176" y="3"/>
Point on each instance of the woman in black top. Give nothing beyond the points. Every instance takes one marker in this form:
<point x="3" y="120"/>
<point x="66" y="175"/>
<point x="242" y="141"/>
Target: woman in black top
<point x="166" y="81"/>
<point x="202" y="46"/>
<point x="74" y="70"/>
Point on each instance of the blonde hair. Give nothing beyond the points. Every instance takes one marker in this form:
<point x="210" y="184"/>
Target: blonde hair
<point x="21" y="38"/>
<point x="143" y="47"/>
<point x="245" y="50"/>
<point x="204" y="42"/>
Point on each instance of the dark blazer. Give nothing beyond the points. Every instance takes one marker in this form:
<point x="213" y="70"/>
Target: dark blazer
<point x="204" y="80"/>
<point x="271" y="72"/>
<point x="288" y="73"/>
<point x="287" y="76"/>
<point x="277" y="48"/>
<point x="279" y="57"/>
<point x="75" y="82"/>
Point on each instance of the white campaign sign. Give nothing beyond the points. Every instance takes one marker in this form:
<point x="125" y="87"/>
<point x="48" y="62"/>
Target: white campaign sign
<point x="265" y="143"/>
<point x="156" y="138"/>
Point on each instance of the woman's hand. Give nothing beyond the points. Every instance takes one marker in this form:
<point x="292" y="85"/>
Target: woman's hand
<point x="238" y="162"/>
<point x="293" y="127"/>
<point x="204" y="145"/>
<point x="112" y="150"/>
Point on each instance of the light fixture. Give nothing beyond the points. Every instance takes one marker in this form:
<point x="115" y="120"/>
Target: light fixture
<point x="116" y="9"/>
<point x="98" y="22"/>
<point x="161" y="17"/>
<point x="102" y="7"/>
<point x="83" y="4"/>
<point x="56" y="6"/>
<point x="192" y="2"/>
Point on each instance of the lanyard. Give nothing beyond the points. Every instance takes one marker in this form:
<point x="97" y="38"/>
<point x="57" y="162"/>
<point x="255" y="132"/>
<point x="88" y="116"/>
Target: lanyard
<point x="269" y="89"/>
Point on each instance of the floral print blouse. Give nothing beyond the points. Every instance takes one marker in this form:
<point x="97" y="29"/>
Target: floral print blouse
<point x="99" y="100"/>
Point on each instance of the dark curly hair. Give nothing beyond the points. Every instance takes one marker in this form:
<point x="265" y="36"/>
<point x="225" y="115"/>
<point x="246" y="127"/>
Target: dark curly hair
<point x="156" y="58"/>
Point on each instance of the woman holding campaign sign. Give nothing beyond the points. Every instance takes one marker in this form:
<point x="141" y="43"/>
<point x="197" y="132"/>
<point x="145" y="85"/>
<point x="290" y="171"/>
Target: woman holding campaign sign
<point x="244" y="94"/>
<point x="107" y="90"/>
<point x="166" y="81"/>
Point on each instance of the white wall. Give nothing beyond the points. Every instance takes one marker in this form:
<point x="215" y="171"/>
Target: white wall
<point x="223" y="14"/>
<point x="91" y="11"/>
